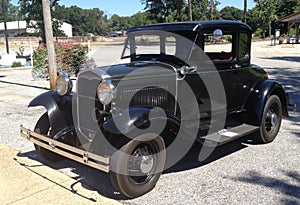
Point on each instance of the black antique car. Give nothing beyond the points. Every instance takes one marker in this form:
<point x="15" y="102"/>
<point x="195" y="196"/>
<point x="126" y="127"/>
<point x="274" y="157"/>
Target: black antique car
<point x="184" y="82"/>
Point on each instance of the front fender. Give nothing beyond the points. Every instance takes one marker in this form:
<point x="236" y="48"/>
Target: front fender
<point x="258" y="97"/>
<point x="119" y="129"/>
<point x="140" y="118"/>
<point x="59" y="109"/>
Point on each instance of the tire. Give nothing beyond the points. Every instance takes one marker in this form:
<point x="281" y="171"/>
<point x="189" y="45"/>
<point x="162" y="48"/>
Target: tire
<point x="138" y="165"/>
<point x="43" y="127"/>
<point x="271" y="120"/>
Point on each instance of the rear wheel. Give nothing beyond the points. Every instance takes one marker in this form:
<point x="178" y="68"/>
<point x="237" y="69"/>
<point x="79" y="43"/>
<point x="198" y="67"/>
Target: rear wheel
<point x="271" y="120"/>
<point x="43" y="127"/>
<point x="137" y="167"/>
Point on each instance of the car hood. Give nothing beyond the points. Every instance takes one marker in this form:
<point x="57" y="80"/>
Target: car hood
<point x="135" y="70"/>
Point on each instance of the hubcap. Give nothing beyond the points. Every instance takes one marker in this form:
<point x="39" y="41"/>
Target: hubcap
<point x="141" y="164"/>
<point x="147" y="163"/>
<point x="274" y="119"/>
<point x="271" y="120"/>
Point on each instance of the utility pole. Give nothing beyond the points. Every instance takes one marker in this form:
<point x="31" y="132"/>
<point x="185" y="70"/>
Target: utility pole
<point x="5" y="26"/>
<point x="212" y="7"/>
<point x="49" y="43"/>
<point x="190" y="10"/>
<point x="245" y="11"/>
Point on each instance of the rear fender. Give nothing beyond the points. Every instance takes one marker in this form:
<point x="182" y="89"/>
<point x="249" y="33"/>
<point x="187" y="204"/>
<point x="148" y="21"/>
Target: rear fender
<point x="59" y="109"/>
<point x="258" y="97"/>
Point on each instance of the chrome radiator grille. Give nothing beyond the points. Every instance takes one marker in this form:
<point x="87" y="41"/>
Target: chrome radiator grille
<point x="149" y="97"/>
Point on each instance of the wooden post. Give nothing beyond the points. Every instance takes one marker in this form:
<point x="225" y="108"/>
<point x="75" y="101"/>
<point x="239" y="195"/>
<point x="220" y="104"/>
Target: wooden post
<point x="297" y="32"/>
<point x="5" y="26"/>
<point x="212" y="8"/>
<point x="190" y="11"/>
<point x="245" y="11"/>
<point x="49" y="43"/>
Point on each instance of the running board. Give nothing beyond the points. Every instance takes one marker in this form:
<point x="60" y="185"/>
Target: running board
<point x="228" y="135"/>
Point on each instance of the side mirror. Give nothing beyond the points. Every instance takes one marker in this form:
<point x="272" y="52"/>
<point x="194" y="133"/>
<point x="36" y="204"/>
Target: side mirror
<point x="218" y="33"/>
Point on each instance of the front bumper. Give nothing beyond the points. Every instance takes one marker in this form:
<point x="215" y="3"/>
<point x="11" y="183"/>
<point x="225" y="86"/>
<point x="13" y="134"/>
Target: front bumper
<point x="79" y="155"/>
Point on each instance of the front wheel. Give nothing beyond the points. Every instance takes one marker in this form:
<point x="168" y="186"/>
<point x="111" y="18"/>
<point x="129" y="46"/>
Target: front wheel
<point x="137" y="166"/>
<point x="43" y="127"/>
<point x="271" y="120"/>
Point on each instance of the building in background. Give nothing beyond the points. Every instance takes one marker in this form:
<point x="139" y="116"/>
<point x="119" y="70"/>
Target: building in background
<point x="20" y="28"/>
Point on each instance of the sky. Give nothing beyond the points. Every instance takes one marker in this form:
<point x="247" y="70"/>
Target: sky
<point x="130" y="7"/>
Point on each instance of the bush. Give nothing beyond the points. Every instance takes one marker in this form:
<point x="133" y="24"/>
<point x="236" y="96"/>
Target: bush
<point x="16" y="64"/>
<point x="258" y="33"/>
<point x="69" y="58"/>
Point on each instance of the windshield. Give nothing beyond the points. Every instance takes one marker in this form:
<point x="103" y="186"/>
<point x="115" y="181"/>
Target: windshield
<point x="151" y="45"/>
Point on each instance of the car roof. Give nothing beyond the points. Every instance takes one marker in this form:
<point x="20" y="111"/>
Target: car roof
<point x="192" y="26"/>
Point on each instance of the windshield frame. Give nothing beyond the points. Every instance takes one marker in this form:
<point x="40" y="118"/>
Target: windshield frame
<point x="131" y="44"/>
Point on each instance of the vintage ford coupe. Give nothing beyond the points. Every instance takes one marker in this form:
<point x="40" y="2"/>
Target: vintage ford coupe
<point x="183" y="83"/>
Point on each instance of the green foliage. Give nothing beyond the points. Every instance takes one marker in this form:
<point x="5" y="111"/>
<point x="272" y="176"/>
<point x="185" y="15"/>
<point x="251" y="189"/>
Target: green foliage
<point x="200" y="9"/>
<point x="158" y="9"/>
<point x="12" y="12"/>
<point x="84" y="21"/>
<point x="177" y="10"/>
<point x="70" y="57"/>
<point x="16" y="64"/>
<point x="32" y="10"/>
<point x="265" y="12"/>
<point x="231" y="13"/>
<point x="120" y="23"/>
<point x="258" y="33"/>
<point x="40" y="56"/>
<point x="94" y="21"/>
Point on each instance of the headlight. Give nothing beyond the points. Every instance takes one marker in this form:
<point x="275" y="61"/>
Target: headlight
<point x="63" y="85"/>
<point x="105" y="92"/>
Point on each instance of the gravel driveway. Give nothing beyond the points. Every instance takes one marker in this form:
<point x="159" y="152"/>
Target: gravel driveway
<point x="236" y="173"/>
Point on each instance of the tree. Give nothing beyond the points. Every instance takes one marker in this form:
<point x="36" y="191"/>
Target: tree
<point x="32" y="10"/>
<point x="158" y="9"/>
<point x="231" y="13"/>
<point x="12" y="11"/>
<point x="178" y="10"/>
<point x="287" y="7"/>
<point x="200" y="9"/>
<point x="84" y="21"/>
<point x="213" y="9"/>
<point x="166" y="10"/>
<point x="265" y="10"/>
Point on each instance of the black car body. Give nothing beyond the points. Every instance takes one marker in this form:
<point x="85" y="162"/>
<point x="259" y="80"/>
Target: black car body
<point x="180" y="86"/>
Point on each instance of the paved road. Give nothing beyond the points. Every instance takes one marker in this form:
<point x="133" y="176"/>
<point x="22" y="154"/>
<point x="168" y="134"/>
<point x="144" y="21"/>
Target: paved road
<point x="237" y="173"/>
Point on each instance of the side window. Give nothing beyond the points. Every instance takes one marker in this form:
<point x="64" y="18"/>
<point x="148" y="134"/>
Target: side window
<point x="243" y="45"/>
<point x="147" y="44"/>
<point x="220" y="49"/>
<point x="170" y="45"/>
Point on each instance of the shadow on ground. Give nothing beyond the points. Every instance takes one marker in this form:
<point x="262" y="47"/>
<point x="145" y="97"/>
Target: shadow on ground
<point x="290" y="191"/>
<point x="290" y="78"/>
<point x="96" y="180"/>
<point x="285" y="58"/>
<point x="23" y="85"/>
